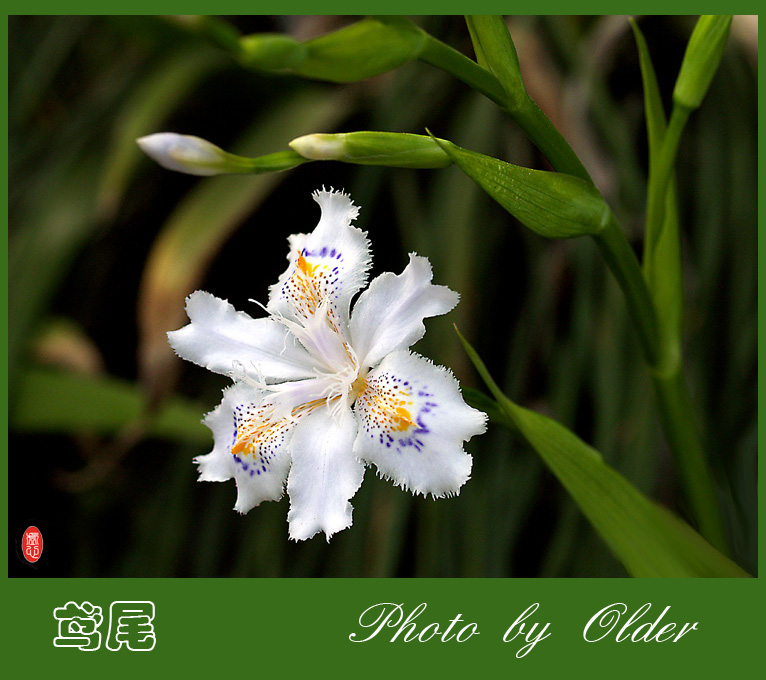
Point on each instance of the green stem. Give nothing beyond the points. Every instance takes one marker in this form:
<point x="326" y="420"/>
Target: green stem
<point x="673" y="398"/>
<point x="675" y="405"/>
<point x="438" y="54"/>
<point x="676" y="412"/>
<point x="683" y="436"/>
<point x="273" y="162"/>
<point x="622" y="261"/>
<point x="659" y="181"/>
<point x="535" y="124"/>
<point x="544" y="135"/>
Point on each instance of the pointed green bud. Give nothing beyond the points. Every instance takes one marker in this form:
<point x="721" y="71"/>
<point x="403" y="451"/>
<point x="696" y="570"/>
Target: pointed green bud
<point x="494" y="47"/>
<point x="552" y="204"/>
<point x="197" y="156"/>
<point x="390" y="149"/>
<point x="367" y="48"/>
<point x="701" y="60"/>
<point x="271" y="51"/>
<point x="362" y="50"/>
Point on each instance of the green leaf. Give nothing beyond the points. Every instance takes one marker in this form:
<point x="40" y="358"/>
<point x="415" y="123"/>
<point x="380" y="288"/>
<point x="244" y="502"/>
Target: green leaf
<point x="45" y="242"/>
<point x="648" y="539"/>
<point x="662" y="251"/>
<point x="655" y="114"/>
<point x="494" y="47"/>
<point x="481" y="401"/>
<point x="63" y="402"/>
<point x="477" y="48"/>
<point x="552" y="204"/>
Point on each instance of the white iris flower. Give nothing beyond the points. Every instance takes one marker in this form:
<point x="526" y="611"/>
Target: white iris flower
<point x="319" y="392"/>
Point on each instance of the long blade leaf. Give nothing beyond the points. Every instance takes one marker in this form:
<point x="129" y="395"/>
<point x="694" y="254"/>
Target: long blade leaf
<point x="662" y="253"/>
<point x="648" y="539"/>
<point x="63" y="402"/>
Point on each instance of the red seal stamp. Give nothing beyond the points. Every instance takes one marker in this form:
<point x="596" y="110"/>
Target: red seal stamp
<point x="32" y="544"/>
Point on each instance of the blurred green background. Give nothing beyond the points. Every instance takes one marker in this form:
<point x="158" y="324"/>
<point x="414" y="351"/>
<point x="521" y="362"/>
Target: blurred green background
<point x="104" y="245"/>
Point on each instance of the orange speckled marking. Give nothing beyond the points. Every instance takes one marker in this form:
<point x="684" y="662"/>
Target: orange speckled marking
<point x="306" y="267"/>
<point x="404" y="419"/>
<point x="388" y="408"/>
<point x="258" y="429"/>
<point x="262" y="429"/>
<point x="306" y="286"/>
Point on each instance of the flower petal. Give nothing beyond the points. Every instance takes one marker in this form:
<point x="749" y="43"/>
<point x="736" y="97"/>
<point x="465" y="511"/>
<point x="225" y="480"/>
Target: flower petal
<point x="389" y="314"/>
<point x="219" y="337"/>
<point x="325" y="474"/>
<point x="412" y="425"/>
<point x="329" y="264"/>
<point x="250" y="444"/>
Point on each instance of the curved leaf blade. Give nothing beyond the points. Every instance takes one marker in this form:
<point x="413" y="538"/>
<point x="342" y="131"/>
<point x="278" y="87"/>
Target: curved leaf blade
<point x="648" y="539"/>
<point x="662" y="252"/>
<point x="63" y="402"/>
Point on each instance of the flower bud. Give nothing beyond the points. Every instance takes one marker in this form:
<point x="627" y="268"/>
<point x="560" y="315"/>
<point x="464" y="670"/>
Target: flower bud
<point x="197" y="156"/>
<point x="494" y="46"/>
<point x="390" y="149"/>
<point x="362" y="50"/>
<point x="552" y="204"/>
<point x="701" y="60"/>
<point x="184" y="153"/>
